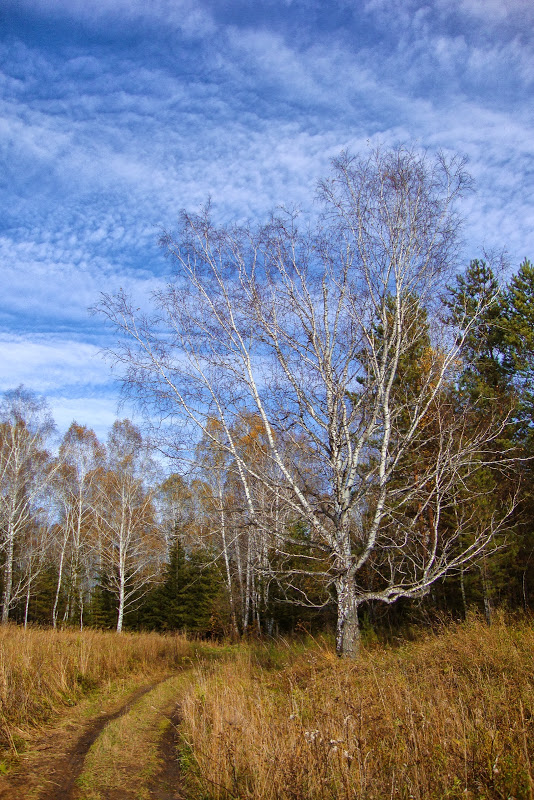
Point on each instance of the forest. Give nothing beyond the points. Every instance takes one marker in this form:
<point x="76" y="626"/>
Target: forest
<point x="351" y="441"/>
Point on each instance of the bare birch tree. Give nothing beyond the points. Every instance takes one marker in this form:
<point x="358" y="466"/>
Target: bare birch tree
<point x="34" y="555"/>
<point x="212" y="465"/>
<point x="242" y="541"/>
<point x="310" y="332"/>
<point x="81" y="463"/>
<point x="132" y="545"/>
<point x="26" y="470"/>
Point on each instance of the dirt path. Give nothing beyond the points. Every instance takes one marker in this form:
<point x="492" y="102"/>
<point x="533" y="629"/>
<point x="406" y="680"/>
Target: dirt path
<point x="62" y="770"/>
<point x="63" y="777"/>
<point x="166" y="784"/>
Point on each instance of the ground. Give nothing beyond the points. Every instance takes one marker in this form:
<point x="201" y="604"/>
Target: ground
<point x="107" y="749"/>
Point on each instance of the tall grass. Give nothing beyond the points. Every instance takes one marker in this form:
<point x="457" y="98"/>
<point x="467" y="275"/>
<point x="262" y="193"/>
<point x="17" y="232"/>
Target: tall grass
<point x="449" y="716"/>
<point x="42" y="671"/>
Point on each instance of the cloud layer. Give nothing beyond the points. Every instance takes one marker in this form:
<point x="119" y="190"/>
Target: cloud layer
<point x="115" y="114"/>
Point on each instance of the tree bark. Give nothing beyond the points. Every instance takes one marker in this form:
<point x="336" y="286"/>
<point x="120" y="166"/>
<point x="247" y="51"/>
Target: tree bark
<point x="486" y="596"/>
<point x="120" y="616"/>
<point x="27" y="604"/>
<point x="8" y="578"/>
<point x="462" y="589"/>
<point x="348" y="626"/>
<point x="58" y="586"/>
<point x="235" y="626"/>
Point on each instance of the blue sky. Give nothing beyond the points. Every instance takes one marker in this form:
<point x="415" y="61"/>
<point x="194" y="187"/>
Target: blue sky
<point x="115" y="114"/>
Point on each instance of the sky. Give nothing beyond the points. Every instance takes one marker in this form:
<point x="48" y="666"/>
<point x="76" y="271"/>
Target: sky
<point x="117" y="114"/>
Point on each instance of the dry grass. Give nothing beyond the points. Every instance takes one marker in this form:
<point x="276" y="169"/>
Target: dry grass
<point x="449" y="716"/>
<point x="125" y="756"/>
<point x="43" y="671"/>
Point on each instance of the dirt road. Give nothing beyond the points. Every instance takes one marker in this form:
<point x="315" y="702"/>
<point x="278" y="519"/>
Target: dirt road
<point x="56" y="767"/>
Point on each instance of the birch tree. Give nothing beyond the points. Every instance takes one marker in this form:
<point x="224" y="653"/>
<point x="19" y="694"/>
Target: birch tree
<point x="212" y="465"/>
<point x="132" y="546"/>
<point x="308" y="330"/>
<point x="76" y="484"/>
<point x="26" y="470"/>
<point x="33" y="558"/>
<point x="242" y="541"/>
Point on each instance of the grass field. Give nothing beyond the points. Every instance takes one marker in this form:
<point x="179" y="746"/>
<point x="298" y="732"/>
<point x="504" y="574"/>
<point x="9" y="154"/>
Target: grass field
<point x="43" y="672"/>
<point x="448" y="715"/>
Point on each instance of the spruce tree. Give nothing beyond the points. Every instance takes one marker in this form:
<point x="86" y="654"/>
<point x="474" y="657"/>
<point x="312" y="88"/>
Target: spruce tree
<point x="518" y="306"/>
<point x="174" y="588"/>
<point x="485" y="373"/>
<point x="485" y="390"/>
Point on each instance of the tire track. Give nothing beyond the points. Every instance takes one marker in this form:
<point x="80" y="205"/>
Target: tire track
<point x="166" y="783"/>
<point x="68" y="768"/>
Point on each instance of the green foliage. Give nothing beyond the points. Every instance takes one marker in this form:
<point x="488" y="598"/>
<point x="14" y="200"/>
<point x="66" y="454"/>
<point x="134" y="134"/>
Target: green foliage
<point x="476" y="308"/>
<point x="189" y="595"/>
<point x="518" y="321"/>
<point x="496" y="378"/>
<point x="297" y="601"/>
<point x="43" y="596"/>
<point x="103" y="607"/>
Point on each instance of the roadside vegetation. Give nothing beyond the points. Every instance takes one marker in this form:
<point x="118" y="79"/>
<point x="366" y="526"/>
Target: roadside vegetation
<point x="449" y="715"/>
<point x="126" y="757"/>
<point x="45" y="672"/>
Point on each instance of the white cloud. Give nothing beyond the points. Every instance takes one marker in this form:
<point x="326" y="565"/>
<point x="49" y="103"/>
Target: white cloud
<point x="96" y="413"/>
<point x="496" y="10"/>
<point x="186" y="15"/>
<point x="43" y="364"/>
<point x="104" y="144"/>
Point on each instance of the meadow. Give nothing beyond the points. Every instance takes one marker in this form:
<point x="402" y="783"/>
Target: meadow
<point x="45" y="672"/>
<point x="447" y="714"/>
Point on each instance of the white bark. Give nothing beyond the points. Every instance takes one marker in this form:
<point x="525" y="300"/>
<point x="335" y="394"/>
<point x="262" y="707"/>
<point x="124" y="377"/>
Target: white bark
<point x="131" y="543"/>
<point x="26" y="472"/>
<point x="310" y="335"/>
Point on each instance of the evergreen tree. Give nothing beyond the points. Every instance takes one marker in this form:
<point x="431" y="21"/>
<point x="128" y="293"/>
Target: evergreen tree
<point x="42" y="601"/>
<point x="518" y="322"/>
<point x="103" y="607"/>
<point x="203" y="606"/>
<point x="485" y="373"/>
<point x="190" y="596"/>
<point x="518" y="305"/>
<point x="163" y="608"/>
<point x="485" y="390"/>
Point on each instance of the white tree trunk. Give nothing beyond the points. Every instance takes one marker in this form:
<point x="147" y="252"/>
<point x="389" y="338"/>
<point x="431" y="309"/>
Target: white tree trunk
<point x="348" y="626"/>
<point x="27" y="604"/>
<point x="8" y="576"/>
<point x="59" y="582"/>
<point x="120" y="616"/>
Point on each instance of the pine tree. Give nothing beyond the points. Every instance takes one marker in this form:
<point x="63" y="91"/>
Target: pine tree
<point x="190" y="596"/>
<point x="518" y="306"/>
<point x="174" y="588"/>
<point x="485" y="373"/>
<point x="202" y="596"/>
<point x="42" y="602"/>
<point x="485" y="390"/>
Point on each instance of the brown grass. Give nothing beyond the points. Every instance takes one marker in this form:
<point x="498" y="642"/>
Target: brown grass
<point x="43" y="671"/>
<point x="449" y="716"/>
<point x="124" y="758"/>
